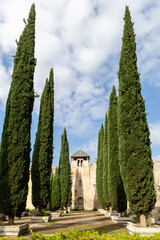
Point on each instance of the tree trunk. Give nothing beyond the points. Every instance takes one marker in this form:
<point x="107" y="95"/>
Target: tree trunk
<point x="110" y="209"/>
<point x="11" y="219"/>
<point x="143" y="221"/>
<point x="39" y="210"/>
<point x="119" y="214"/>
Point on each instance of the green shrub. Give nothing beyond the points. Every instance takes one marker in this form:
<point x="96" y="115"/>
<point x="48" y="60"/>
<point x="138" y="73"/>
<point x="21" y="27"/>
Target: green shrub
<point x="92" y="234"/>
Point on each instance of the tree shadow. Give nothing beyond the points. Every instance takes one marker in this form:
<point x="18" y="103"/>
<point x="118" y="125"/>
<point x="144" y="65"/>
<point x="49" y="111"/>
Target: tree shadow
<point x="109" y="228"/>
<point x="50" y="226"/>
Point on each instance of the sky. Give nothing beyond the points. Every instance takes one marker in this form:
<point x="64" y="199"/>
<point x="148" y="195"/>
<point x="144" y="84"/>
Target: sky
<point x="82" y="41"/>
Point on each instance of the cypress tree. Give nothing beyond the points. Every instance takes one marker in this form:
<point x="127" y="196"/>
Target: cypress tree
<point x="43" y="148"/>
<point x="134" y="143"/>
<point x="105" y="164"/>
<point x="65" y="172"/>
<point x="15" y="152"/>
<point x="99" y="169"/>
<point x="115" y="185"/>
<point x="55" y="199"/>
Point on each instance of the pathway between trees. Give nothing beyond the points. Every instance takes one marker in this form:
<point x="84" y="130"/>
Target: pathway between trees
<point x="76" y="220"/>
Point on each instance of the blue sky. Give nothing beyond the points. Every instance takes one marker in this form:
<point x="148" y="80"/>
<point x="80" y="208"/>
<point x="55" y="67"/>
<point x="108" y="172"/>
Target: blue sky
<point x="82" y="41"/>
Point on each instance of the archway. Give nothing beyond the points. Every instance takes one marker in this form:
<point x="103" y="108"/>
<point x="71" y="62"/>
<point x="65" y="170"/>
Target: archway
<point x="80" y="203"/>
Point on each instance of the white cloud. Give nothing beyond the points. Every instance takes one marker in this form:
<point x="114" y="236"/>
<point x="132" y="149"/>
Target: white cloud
<point x="82" y="41"/>
<point x="91" y="149"/>
<point x="4" y="83"/>
<point x="155" y="133"/>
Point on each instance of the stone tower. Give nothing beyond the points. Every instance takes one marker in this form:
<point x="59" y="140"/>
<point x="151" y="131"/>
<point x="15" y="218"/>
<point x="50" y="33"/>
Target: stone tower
<point x="84" y="194"/>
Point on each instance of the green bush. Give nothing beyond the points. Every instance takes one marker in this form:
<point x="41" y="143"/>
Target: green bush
<point x="92" y="234"/>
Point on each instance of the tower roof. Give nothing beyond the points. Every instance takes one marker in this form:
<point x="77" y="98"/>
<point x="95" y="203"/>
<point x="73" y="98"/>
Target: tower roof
<point x="80" y="153"/>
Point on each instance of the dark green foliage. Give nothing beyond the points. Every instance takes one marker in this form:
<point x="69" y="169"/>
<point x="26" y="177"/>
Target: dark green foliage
<point x="43" y="148"/>
<point x="115" y="185"/>
<point x="105" y="165"/>
<point x="134" y="143"/>
<point x="15" y="145"/>
<point x="55" y="198"/>
<point x="99" y="169"/>
<point x="65" y="172"/>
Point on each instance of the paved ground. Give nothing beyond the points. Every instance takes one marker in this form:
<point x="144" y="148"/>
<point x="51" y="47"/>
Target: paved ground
<point x="79" y="221"/>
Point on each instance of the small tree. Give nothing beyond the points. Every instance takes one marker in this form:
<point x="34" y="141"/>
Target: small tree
<point x="99" y="169"/>
<point x="136" y="165"/>
<point x="65" y="172"/>
<point x="105" y="165"/>
<point x="15" y="144"/>
<point x="55" y="199"/>
<point x="115" y="185"/>
<point x="43" y="148"/>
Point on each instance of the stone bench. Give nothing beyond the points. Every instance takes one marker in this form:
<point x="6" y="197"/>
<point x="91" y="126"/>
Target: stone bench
<point x="55" y="214"/>
<point x="102" y="211"/>
<point x="13" y="230"/>
<point x="39" y="219"/>
<point x="124" y="220"/>
<point x="143" y="231"/>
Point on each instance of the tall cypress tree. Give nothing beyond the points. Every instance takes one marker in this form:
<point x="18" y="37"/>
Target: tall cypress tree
<point x="99" y="169"/>
<point x="65" y="172"/>
<point x="134" y="143"/>
<point x="55" y="199"/>
<point x="105" y="164"/>
<point x="43" y="148"/>
<point x="115" y="185"/>
<point x="15" y="154"/>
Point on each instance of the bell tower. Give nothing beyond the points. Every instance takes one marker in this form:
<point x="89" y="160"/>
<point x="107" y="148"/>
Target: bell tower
<point x="80" y="159"/>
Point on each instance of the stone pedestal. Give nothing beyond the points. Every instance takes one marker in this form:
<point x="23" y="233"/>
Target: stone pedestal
<point x="103" y="211"/>
<point x="39" y="219"/>
<point x="69" y="209"/>
<point x="55" y="214"/>
<point x="143" y="231"/>
<point x="113" y="214"/>
<point x="13" y="230"/>
<point x="124" y="220"/>
<point x="107" y="214"/>
<point x="157" y="222"/>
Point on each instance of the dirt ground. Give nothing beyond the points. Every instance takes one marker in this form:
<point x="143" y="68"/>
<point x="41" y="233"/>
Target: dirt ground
<point x="77" y="220"/>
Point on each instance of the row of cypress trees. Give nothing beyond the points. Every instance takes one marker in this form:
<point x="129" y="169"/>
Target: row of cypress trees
<point x="15" y="142"/>
<point x="115" y="185"/>
<point x="108" y="172"/>
<point x="62" y="182"/>
<point x="127" y="165"/>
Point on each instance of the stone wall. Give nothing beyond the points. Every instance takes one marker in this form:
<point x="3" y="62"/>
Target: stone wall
<point x="84" y="194"/>
<point x="29" y="204"/>
<point x="156" y="171"/>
